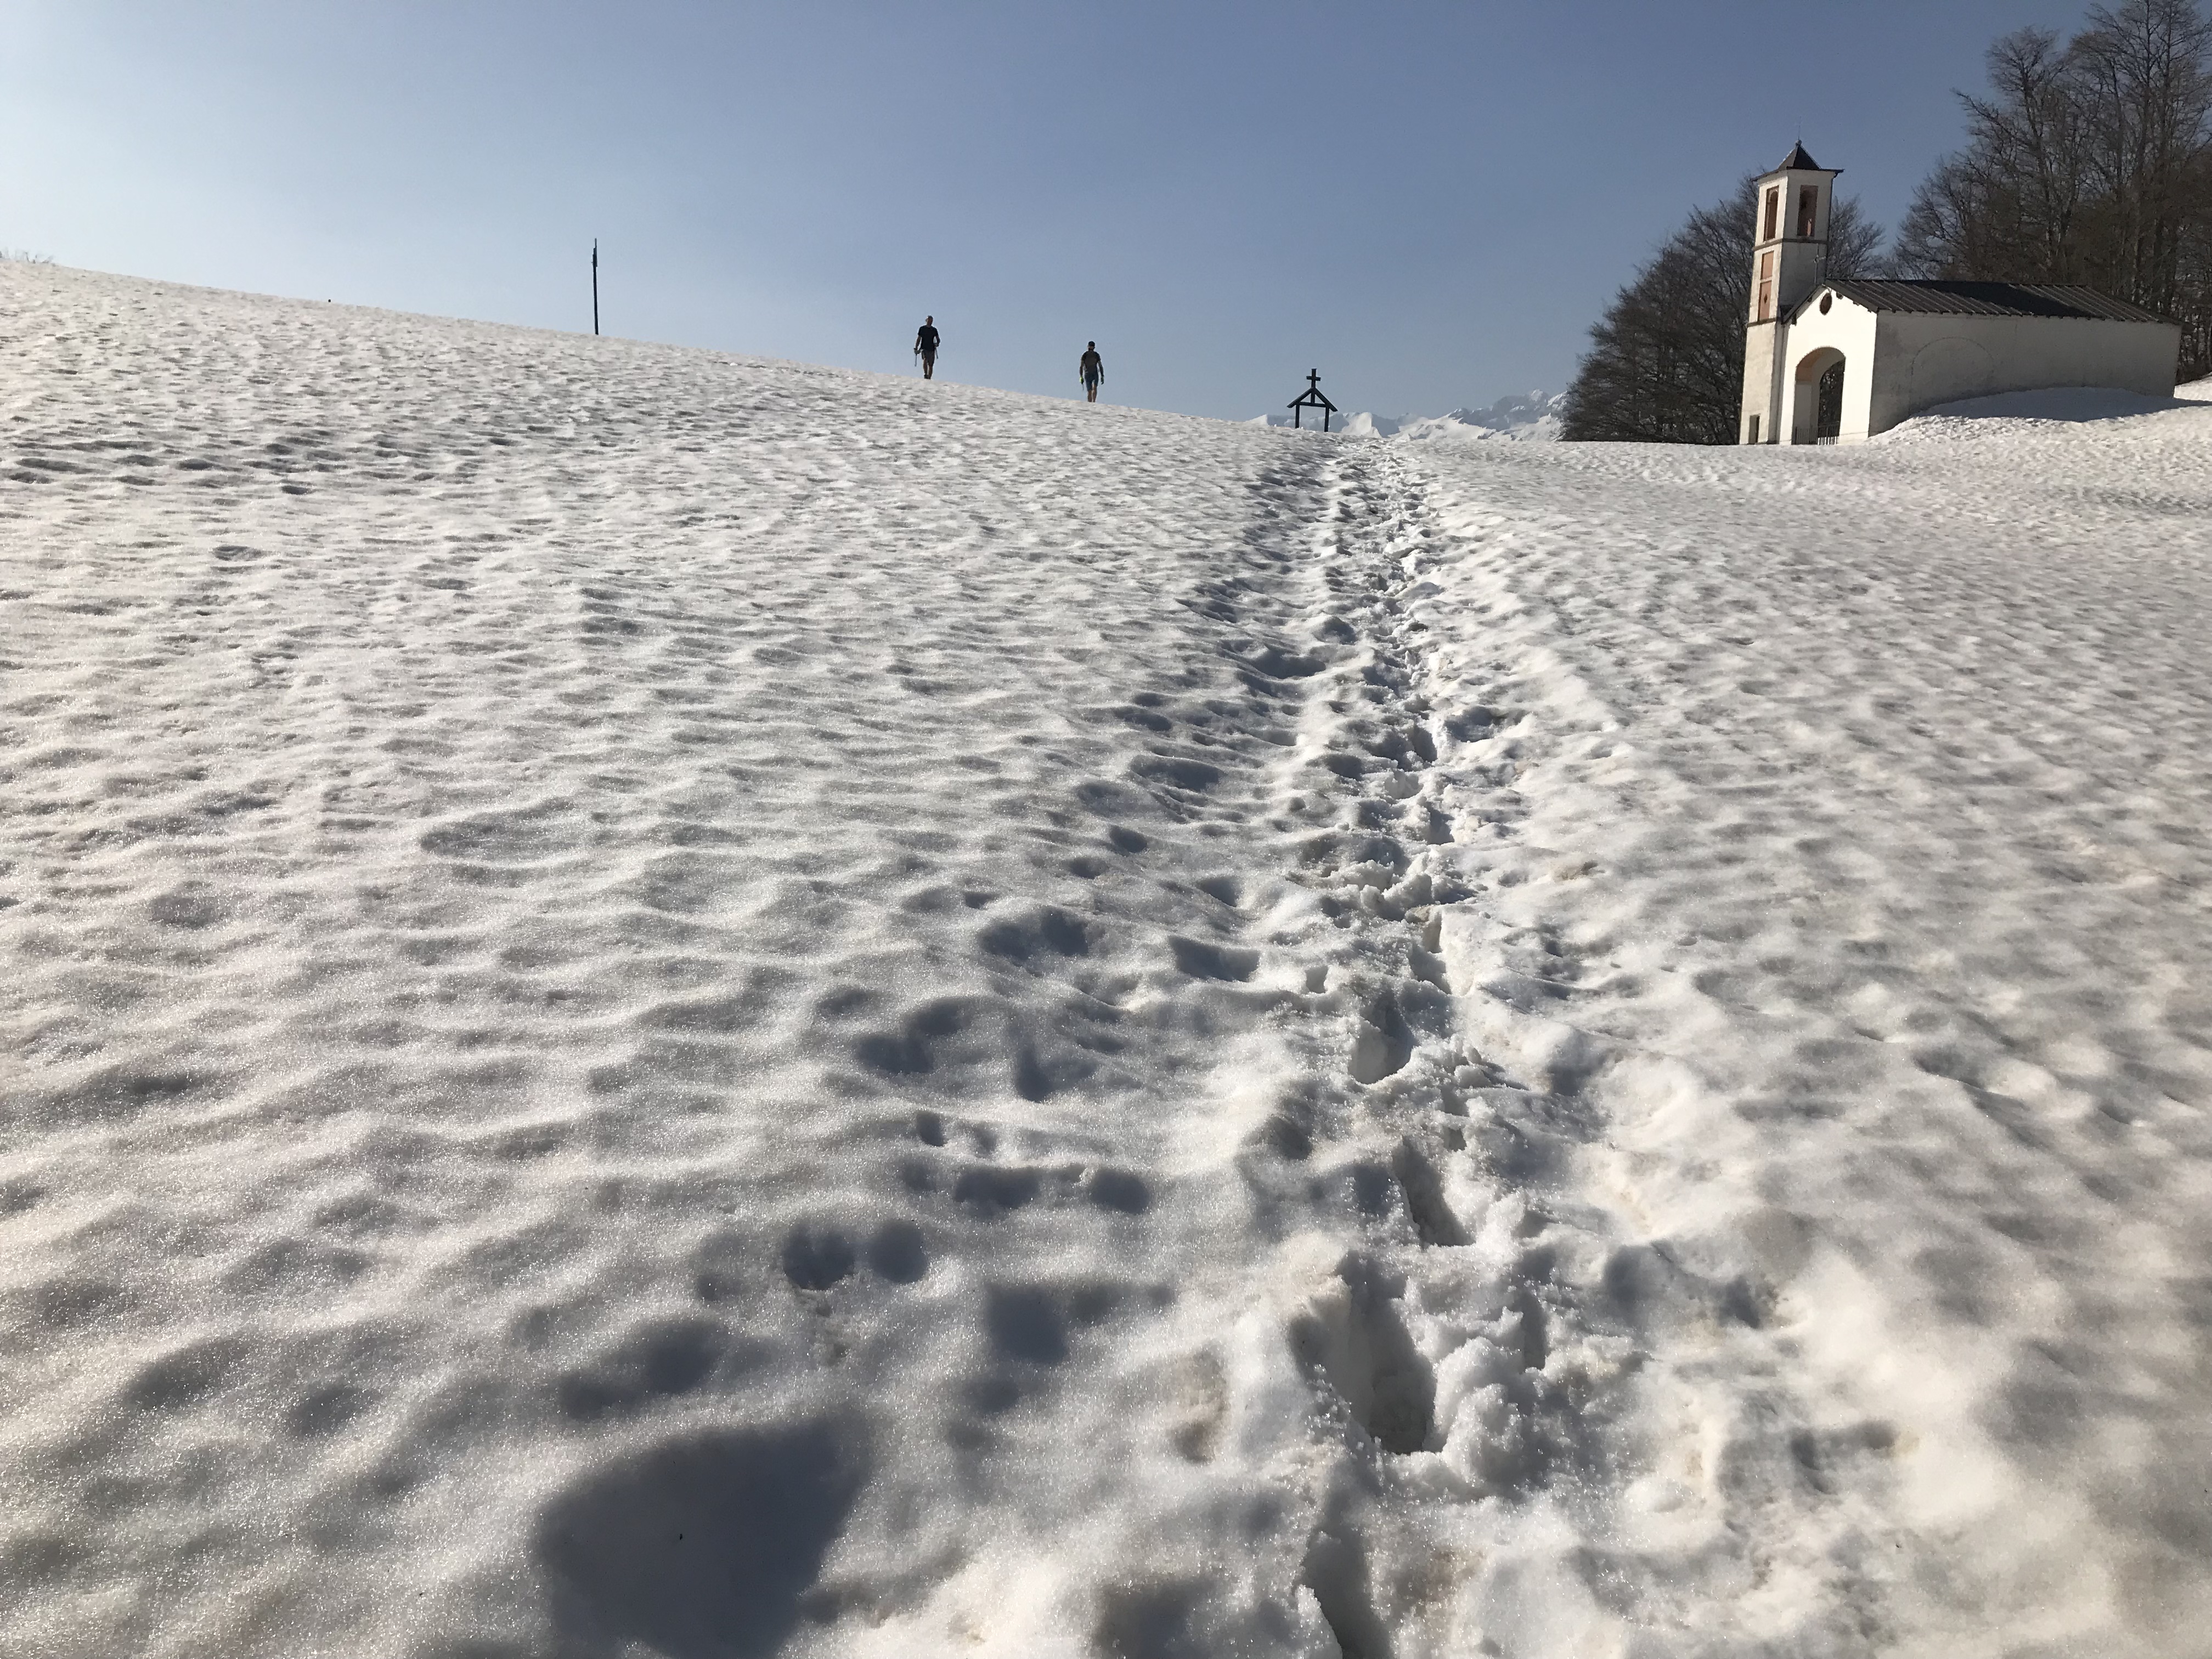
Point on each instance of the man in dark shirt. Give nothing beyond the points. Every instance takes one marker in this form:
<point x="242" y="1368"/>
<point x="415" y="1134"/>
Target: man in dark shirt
<point x="925" y="347"/>
<point x="1091" y="370"/>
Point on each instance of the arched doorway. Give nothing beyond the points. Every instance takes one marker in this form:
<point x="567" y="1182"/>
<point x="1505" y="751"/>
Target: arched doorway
<point x="1817" y="410"/>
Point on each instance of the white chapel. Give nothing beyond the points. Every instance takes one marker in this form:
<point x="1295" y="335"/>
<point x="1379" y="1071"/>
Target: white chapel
<point x="1832" y="360"/>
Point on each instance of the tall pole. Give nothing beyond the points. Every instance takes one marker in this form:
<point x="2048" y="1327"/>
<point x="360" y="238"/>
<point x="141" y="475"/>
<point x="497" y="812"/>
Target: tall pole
<point x="595" y="285"/>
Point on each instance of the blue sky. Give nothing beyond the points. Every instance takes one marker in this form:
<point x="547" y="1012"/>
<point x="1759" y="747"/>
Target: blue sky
<point x="1430" y="203"/>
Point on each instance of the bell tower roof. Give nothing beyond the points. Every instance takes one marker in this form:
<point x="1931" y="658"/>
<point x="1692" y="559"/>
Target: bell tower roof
<point x="1798" y="162"/>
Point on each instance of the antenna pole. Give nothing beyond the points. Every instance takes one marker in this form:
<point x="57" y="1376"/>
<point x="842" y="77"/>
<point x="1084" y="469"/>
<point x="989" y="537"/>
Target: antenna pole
<point x="595" y="285"/>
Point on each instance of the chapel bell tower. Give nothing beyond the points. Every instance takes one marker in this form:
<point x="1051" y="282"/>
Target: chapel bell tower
<point x="1789" y="254"/>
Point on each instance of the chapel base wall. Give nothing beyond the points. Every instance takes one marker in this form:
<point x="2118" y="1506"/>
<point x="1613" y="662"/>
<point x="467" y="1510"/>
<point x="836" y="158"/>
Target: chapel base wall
<point x="1761" y="382"/>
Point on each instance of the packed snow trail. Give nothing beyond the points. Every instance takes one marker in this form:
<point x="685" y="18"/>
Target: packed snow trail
<point x="666" y="1004"/>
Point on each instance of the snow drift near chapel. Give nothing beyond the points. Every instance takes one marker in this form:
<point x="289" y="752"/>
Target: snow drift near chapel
<point x="663" y="1004"/>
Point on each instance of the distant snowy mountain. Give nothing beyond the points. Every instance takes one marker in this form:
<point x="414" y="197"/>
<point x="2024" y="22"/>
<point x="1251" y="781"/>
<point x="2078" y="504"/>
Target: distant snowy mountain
<point x="1530" y="416"/>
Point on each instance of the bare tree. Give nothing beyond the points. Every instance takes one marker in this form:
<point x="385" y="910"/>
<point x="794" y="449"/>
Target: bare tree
<point x="1666" y="361"/>
<point x="2089" y="162"/>
<point x="2145" y="74"/>
<point x="2012" y="196"/>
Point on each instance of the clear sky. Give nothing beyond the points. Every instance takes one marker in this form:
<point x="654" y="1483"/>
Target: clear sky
<point x="1427" y="202"/>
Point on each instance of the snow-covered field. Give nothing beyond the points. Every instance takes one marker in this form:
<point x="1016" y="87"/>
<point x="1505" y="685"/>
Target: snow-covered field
<point x="666" y="1004"/>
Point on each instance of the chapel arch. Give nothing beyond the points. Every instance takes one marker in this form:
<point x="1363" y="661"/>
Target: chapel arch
<point x="1816" y="409"/>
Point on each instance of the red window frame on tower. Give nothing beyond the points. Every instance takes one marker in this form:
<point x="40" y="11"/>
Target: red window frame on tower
<point x="1773" y="212"/>
<point x="1765" y="285"/>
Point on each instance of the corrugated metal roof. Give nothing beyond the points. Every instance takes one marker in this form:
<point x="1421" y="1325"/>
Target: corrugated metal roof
<point x="1989" y="299"/>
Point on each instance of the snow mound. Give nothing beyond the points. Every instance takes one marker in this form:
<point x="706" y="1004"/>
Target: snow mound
<point x="2014" y="412"/>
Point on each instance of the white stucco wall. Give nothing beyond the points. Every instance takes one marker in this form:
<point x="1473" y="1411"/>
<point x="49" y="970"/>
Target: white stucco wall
<point x="1897" y="363"/>
<point x="1849" y="328"/>
<point x="1922" y="361"/>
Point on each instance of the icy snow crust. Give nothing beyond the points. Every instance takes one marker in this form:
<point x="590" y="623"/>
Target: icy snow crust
<point x="665" y="1004"/>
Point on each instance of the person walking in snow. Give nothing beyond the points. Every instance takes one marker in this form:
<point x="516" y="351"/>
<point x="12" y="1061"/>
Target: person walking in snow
<point x="925" y="347"/>
<point x="1091" y="371"/>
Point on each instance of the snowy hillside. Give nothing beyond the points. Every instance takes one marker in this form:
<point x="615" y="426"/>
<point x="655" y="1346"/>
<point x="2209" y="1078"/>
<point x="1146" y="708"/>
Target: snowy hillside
<point x="661" y="1004"/>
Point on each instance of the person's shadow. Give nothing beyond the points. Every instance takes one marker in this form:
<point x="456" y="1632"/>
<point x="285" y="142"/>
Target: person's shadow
<point x="703" y="1546"/>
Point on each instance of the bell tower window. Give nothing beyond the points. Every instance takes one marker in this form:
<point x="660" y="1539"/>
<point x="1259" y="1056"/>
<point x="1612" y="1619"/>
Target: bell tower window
<point x="1766" y="285"/>
<point x="1773" y="213"/>
<point x="1809" y="203"/>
